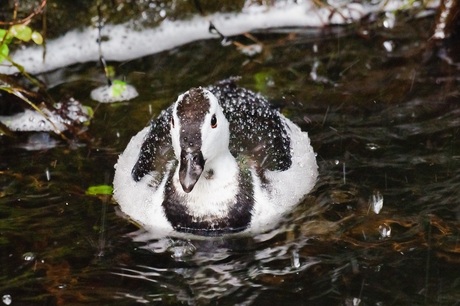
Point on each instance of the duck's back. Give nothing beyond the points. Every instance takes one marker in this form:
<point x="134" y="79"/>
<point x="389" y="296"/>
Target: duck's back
<point x="257" y="131"/>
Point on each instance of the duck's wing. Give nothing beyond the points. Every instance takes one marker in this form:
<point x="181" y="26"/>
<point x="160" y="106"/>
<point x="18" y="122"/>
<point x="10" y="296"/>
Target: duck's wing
<point x="257" y="131"/>
<point x="156" y="150"/>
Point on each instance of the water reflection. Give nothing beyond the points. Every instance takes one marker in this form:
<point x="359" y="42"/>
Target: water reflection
<point x="238" y="269"/>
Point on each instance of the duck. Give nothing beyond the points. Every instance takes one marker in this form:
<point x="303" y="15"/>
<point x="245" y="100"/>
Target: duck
<point x="219" y="161"/>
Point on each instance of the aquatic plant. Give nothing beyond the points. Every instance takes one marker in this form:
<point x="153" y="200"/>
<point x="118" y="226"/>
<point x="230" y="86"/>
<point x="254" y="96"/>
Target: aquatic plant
<point x="50" y="116"/>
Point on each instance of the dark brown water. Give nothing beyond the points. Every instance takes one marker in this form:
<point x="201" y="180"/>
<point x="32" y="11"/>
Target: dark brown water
<point x="385" y="125"/>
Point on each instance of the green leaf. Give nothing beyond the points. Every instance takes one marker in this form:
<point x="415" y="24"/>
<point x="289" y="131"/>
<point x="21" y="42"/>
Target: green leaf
<point x="89" y="110"/>
<point x="4" y="52"/>
<point x="118" y="87"/>
<point x="3" y="34"/>
<point x="99" y="190"/>
<point x="110" y="72"/>
<point x="261" y="79"/>
<point x="37" y="38"/>
<point x="21" y="32"/>
<point x="5" y="37"/>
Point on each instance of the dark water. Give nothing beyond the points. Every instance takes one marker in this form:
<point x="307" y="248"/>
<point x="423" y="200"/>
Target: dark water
<point x="385" y="125"/>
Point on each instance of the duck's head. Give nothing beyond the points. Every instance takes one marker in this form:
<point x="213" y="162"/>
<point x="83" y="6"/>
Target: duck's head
<point x="199" y="133"/>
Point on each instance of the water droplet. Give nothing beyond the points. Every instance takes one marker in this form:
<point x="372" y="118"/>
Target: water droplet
<point x="48" y="175"/>
<point x="336" y="162"/>
<point x="29" y="256"/>
<point x="376" y="201"/>
<point x="356" y="301"/>
<point x="295" y="261"/>
<point x="7" y="299"/>
<point x="31" y="118"/>
<point x="385" y="230"/>
<point x="388" y="45"/>
<point x="390" y="20"/>
<point x="315" y="48"/>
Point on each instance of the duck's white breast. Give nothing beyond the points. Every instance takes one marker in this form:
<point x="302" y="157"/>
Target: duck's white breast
<point x="287" y="188"/>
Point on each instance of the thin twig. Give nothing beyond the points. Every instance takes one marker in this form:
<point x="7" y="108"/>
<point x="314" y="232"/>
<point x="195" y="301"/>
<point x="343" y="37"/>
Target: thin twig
<point x="27" y="19"/>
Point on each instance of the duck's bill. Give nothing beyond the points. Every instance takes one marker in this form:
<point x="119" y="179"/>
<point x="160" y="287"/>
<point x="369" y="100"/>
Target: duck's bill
<point x="190" y="169"/>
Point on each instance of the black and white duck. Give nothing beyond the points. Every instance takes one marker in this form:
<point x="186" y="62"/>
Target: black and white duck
<point x="220" y="160"/>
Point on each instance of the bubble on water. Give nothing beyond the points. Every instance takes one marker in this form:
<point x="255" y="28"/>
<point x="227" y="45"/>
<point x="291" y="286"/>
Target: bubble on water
<point x="105" y="94"/>
<point x="376" y="202"/>
<point x="7" y="299"/>
<point x="225" y="42"/>
<point x="251" y="50"/>
<point x="29" y="256"/>
<point x="372" y="146"/>
<point x="385" y="230"/>
<point x="181" y="249"/>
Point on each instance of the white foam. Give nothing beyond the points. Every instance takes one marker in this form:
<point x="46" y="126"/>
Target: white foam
<point x="126" y="42"/>
<point x="30" y="120"/>
<point x="47" y="120"/>
<point x="105" y="94"/>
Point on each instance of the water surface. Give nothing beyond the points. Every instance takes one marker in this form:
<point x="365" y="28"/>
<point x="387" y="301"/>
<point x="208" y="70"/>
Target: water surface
<point x="383" y="119"/>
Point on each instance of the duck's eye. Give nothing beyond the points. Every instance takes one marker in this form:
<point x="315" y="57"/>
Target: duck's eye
<point x="213" y="121"/>
<point x="172" y="122"/>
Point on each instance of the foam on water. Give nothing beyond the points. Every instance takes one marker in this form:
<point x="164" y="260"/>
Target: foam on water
<point x="58" y="119"/>
<point x="105" y="94"/>
<point x="126" y="42"/>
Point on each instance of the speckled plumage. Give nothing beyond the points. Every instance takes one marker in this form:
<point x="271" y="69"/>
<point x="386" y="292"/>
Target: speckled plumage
<point x="258" y="134"/>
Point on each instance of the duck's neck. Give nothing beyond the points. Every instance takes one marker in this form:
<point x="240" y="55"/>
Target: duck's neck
<point x="222" y="168"/>
<point x="217" y="187"/>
